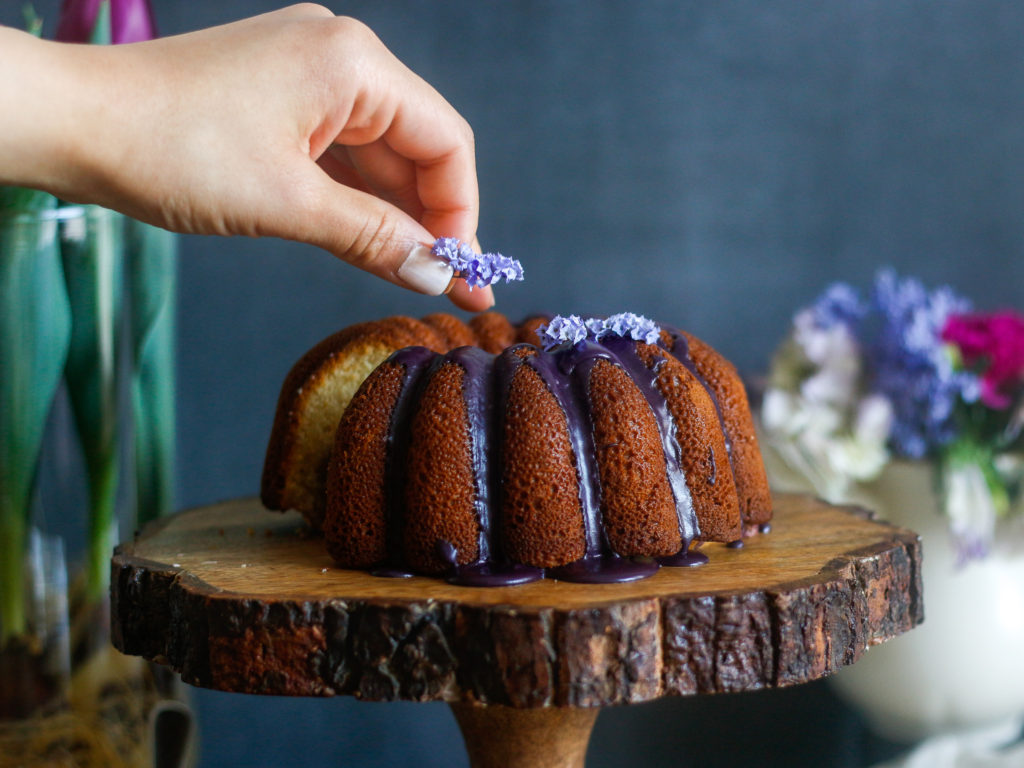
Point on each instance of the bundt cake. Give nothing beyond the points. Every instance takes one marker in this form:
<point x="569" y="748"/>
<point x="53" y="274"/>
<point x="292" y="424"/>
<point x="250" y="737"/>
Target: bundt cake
<point x="479" y="451"/>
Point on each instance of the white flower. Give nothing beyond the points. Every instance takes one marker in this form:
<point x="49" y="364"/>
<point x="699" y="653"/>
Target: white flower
<point x="779" y="411"/>
<point x="835" y="354"/>
<point x="874" y="420"/>
<point x="859" y="460"/>
<point x="787" y="415"/>
<point x="970" y="508"/>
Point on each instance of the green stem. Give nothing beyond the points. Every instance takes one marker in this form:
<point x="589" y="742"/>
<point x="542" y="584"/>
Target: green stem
<point x="12" y="573"/>
<point x="152" y="277"/>
<point x="102" y="528"/>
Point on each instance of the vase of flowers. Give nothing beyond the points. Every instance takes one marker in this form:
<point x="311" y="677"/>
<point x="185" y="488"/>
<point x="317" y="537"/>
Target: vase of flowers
<point x="909" y="402"/>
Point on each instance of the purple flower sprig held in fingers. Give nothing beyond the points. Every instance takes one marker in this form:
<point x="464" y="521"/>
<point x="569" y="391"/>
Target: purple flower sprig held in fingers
<point x="477" y="269"/>
<point x="105" y="21"/>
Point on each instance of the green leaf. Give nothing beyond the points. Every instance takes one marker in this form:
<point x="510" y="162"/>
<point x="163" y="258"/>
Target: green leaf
<point x="102" y="29"/>
<point x="152" y="281"/>
<point x="23" y="200"/>
<point x="35" y="326"/>
<point x="93" y="270"/>
<point x="33" y="22"/>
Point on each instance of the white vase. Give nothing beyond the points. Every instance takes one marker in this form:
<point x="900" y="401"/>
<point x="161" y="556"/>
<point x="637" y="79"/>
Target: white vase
<point x="963" y="668"/>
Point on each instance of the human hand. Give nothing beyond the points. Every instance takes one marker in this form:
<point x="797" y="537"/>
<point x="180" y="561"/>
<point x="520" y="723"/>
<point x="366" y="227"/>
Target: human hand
<point x="295" y="124"/>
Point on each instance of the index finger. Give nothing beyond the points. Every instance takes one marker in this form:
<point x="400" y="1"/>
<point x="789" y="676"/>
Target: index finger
<point x="429" y="131"/>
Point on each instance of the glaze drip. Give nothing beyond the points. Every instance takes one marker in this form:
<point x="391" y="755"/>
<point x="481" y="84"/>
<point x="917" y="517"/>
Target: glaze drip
<point x="415" y="361"/>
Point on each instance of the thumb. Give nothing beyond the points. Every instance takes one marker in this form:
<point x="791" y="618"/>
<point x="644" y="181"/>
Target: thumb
<point x="375" y="236"/>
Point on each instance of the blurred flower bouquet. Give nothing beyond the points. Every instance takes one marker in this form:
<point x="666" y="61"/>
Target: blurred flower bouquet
<point x="905" y="372"/>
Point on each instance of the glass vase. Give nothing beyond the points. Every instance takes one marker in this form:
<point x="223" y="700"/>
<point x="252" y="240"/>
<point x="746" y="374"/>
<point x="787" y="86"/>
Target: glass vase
<point x="73" y="349"/>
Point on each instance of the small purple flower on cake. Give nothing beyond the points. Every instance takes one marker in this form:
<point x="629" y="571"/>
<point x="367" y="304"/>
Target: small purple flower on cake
<point x="562" y="330"/>
<point x="477" y="269"/>
<point x="574" y="329"/>
<point x="627" y="325"/>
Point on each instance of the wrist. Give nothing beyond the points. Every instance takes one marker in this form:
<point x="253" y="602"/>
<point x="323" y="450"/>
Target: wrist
<point x="47" y="111"/>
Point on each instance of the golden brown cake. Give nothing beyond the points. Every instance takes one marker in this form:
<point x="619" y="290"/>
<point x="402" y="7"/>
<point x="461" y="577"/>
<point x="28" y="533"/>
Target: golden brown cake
<point x="488" y="457"/>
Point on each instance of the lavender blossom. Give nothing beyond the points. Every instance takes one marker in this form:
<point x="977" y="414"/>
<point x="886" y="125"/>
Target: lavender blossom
<point x="562" y="330"/>
<point x="911" y="367"/>
<point x="627" y="325"/>
<point x="477" y="269"/>
<point x="840" y="304"/>
<point x="573" y="329"/>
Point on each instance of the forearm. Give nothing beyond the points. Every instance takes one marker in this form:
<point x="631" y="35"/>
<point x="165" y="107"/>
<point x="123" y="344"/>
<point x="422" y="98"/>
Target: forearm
<point x="40" y="95"/>
<point x="69" y="115"/>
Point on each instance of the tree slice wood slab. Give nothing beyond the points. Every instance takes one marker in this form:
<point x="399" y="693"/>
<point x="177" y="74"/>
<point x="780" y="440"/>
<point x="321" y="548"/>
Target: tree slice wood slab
<point x="240" y="599"/>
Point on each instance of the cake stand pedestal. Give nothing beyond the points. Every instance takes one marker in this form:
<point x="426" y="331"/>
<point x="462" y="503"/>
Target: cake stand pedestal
<point x="236" y="598"/>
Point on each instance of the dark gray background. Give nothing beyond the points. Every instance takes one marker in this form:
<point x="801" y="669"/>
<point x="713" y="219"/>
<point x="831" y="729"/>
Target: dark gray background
<point x="710" y="163"/>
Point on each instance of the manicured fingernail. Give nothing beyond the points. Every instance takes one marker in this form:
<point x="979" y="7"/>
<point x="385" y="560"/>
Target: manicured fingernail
<point x="425" y="272"/>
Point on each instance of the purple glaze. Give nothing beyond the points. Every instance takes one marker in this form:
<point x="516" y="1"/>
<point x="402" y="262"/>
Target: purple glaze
<point x="416" y="361"/>
<point x="494" y="575"/>
<point x="684" y="558"/>
<point x="604" y="569"/>
<point x="484" y="574"/>
<point x="764" y="528"/>
<point x="738" y="544"/>
<point x="478" y="392"/>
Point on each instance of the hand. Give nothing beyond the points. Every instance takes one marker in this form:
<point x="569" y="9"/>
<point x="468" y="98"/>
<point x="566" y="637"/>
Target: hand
<point x="295" y="124"/>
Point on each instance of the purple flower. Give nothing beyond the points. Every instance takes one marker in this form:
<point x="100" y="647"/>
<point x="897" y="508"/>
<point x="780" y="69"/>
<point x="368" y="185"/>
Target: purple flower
<point x="573" y="329"/>
<point x="562" y="330"/>
<point x="910" y="365"/>
<point x="840" y="304"/>
<point x="130" y="21"/>
<point x="477" y="269"/>
<point x="625" y="324"/>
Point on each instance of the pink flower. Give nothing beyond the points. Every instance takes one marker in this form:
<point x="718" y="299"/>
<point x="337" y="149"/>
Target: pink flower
<point x="995" y="343"/>
<point x="130" y="21"/>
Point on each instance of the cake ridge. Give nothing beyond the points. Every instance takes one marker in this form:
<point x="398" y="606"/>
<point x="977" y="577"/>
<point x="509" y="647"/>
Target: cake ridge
<point x="644" y="378"/>
<point x="680" y="350"/>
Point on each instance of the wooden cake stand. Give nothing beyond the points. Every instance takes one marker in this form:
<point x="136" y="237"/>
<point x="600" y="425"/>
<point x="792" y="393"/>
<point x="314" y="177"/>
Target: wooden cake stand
<point x="240" y="599"/>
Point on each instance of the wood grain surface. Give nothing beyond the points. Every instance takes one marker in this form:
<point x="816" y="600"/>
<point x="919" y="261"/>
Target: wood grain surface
<point x="240" y="599"/>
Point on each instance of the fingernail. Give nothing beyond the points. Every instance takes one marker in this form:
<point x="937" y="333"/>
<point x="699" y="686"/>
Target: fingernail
<point x="424" y="272"/>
